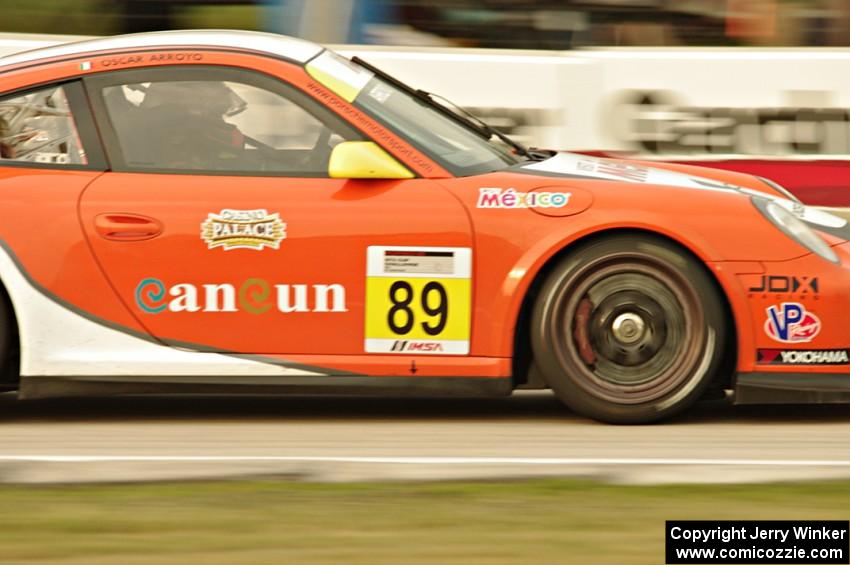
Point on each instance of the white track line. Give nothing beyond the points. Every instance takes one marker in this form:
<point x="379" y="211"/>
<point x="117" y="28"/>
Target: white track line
<point x="421" y="460"/>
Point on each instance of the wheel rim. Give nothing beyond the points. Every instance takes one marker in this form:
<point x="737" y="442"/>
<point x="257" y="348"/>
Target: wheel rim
<point x="628" y="327"/>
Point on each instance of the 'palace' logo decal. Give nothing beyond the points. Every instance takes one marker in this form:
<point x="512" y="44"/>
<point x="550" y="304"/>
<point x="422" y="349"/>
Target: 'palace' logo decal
<point x="243" y="229"/>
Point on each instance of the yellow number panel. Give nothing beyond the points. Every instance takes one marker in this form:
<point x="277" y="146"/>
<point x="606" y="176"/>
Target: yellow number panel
<point x="418" y="300"/>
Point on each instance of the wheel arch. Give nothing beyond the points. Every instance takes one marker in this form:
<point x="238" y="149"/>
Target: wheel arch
<point x="522" y="356"/>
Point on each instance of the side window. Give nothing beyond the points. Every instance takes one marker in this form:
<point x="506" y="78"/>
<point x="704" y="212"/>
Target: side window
<point x="38" y="127"/>
<point x="238" y="124"/>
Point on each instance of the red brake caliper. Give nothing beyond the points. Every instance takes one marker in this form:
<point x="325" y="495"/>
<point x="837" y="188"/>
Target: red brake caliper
<point x="581" y="331"/>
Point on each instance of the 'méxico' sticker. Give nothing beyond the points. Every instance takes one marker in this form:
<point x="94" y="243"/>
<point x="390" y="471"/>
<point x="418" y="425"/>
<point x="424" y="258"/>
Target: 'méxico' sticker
<point x="243" y="229"/>
<point x="511" y="198"/>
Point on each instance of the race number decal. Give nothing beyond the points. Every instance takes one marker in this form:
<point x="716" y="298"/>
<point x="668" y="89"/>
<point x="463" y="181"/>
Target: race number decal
<point x="418" y="300"/>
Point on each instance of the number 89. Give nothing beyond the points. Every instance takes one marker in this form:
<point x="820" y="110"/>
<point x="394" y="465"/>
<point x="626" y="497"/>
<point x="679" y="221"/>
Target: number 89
<point x="402" y="295"/>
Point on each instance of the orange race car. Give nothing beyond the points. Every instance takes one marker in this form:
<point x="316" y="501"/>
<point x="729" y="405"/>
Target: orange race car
<point x="233" y="212"/>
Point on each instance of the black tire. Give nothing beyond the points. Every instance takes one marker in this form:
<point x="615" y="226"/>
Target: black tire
<point x="8" y="354"/>
<point x="628" y="329"/>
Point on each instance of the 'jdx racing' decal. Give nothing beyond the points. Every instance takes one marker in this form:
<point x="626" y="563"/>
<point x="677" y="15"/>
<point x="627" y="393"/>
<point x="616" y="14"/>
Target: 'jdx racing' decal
<point x="418" y="300"/>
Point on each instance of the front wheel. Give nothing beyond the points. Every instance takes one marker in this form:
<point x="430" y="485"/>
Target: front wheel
<point x="628" y="329"/>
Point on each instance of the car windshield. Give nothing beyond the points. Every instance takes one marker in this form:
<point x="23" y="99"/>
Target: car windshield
<point x="457" y="147"/>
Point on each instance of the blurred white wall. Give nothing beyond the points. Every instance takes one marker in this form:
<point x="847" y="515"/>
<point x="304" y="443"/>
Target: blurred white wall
<point x="696" y="103"/>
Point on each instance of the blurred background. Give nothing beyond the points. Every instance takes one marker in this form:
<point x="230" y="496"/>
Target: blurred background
<point x="779" y="113"/>
<point x="515" y="24"/>
<point x="745" y="85"/>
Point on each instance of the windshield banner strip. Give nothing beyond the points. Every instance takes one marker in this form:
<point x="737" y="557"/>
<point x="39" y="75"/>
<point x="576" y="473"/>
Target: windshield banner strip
<point x="340" y="75"/>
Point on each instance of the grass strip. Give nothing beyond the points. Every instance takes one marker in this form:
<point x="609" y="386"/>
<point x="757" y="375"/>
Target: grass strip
<point x="553" y="521"/>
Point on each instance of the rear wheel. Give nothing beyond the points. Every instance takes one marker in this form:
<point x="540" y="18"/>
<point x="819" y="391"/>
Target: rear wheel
<point x="628" y="329"/>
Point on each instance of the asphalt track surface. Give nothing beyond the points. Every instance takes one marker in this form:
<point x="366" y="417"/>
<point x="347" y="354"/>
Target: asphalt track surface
<point x="341" y="439"/>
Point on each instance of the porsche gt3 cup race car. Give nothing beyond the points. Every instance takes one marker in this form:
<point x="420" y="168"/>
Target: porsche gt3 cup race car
<point x="238" y="212"/>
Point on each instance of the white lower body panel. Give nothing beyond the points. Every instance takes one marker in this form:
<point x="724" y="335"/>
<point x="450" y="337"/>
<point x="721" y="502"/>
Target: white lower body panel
<point x="56" y="341"/>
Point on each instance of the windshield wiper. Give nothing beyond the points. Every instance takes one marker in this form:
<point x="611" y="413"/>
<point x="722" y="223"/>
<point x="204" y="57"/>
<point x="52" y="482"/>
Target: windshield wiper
<point x="453" y="111"/>
<point x="486" y="130"/>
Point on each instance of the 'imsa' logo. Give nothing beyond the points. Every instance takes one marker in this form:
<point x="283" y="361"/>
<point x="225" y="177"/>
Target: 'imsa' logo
<point x="243" y="229"/>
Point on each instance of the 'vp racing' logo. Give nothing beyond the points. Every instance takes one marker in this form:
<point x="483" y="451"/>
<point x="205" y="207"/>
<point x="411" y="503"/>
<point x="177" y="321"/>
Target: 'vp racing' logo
<point x="791" y="323"/>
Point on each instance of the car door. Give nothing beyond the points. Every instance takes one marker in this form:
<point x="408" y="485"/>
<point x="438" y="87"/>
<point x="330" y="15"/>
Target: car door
<point x="220" y="230"/>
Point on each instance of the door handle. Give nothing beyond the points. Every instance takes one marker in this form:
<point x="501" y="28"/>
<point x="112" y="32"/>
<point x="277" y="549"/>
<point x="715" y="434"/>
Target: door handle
<point x="126" y="227"/>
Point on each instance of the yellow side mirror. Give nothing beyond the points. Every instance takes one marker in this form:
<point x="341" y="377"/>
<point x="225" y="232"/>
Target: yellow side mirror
<point x="364" y="160"/>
